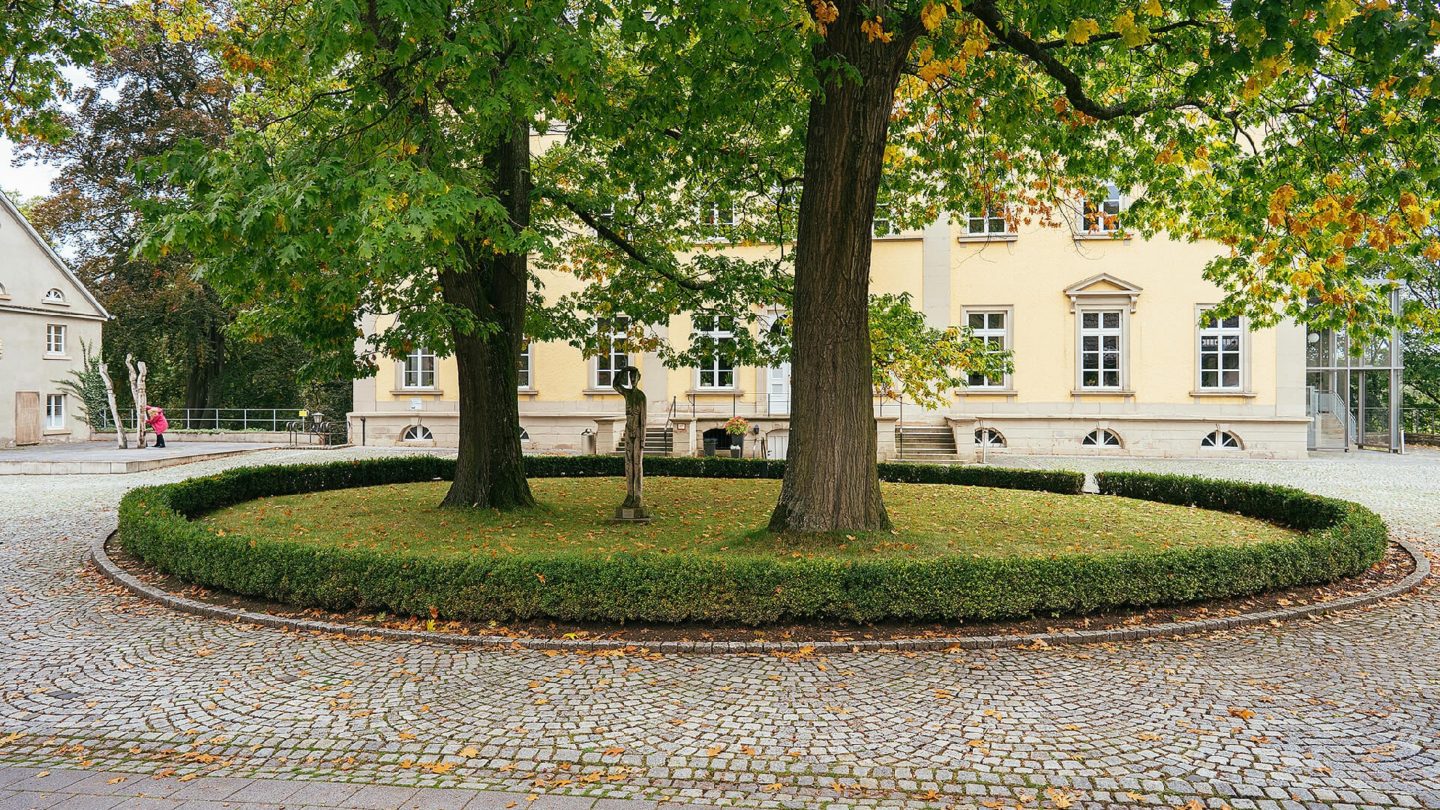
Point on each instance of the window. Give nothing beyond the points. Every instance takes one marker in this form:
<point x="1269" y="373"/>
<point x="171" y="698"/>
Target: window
<point x="54" y="296"/>
<point x="717" y="369"/>
<point x="989" y="327"/>
<point x="524" y="379"/>
<point x="1101" y="438"/>
<point x="989" y="437"/>
<point x="717" y="219"/>
<point x="1221" y="439"/>
<point x="612" y="356"/>
<point x="419" y="368"/>
<point x="1221" y="345"/>
<point x="1101" y="215"/>
<point x="54" y="338"/>
<point x="990" y="220"/>
<point x="54" y="411"/>
<point x="1101" y="349"/>
<point x="884" y="223"/>
<point x="417" y="433"/>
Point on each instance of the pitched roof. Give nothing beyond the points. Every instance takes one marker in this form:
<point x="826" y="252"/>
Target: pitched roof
<point x="52" y="255"/>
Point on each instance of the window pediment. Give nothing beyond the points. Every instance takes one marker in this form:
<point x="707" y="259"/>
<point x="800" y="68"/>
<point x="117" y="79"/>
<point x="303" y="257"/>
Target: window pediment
<point x="1103" y="289"/>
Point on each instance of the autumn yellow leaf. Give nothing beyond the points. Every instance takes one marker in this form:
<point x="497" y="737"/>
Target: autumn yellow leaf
<point x="469" y="752"/>
<point x="1081" y="30"/>
<point x="1059" y="798"/>
<point x="1243" y="714"/>
<point x="932" y="15"/>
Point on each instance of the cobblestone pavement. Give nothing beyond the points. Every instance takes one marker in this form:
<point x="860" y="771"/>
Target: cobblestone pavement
<point x="1342" y="711"/>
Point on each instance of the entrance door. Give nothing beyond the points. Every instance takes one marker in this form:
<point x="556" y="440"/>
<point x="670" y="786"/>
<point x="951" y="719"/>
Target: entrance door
<point x="777" y="444"/>
<point x="27" y="417"/>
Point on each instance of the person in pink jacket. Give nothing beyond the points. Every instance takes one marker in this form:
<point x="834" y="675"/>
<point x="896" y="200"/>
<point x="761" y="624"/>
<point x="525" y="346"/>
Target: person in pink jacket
<point x="155" y="418"/>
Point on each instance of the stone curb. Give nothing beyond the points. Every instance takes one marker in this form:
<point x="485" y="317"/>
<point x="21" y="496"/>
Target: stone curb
<point x="114" y="572"/>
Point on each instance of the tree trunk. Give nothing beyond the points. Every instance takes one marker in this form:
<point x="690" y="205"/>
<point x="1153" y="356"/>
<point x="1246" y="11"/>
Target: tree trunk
<point x="138" y="372"/>
<point x="202" y="378"/>
<point x="121" y="441"/>
<point x="490" y="470"/>
<point x="831" y="483"/>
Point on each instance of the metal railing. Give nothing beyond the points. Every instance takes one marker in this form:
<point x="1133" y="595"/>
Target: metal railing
<point x="723" y="404"/>
<point x="228" y="420"/>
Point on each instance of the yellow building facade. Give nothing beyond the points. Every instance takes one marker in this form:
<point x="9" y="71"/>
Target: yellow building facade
<point x="1111" y="357"/>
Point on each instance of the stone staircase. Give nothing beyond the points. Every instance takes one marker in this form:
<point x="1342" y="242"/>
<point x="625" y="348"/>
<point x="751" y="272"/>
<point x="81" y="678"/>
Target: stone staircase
<point x="659" y="441"/>
<point x="1332" y="431"/>
<point x="925" y="443"/>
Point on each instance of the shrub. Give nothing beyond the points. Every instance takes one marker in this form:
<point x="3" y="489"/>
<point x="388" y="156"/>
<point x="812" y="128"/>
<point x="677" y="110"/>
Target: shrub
<point x="1340" y="539"/>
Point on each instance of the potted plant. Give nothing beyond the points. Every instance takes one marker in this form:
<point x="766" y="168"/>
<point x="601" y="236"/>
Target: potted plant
<point x="737" y="427"/>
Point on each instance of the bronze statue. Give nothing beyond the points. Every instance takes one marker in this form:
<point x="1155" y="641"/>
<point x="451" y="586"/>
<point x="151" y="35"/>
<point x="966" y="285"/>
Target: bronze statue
<point x="626" y="382"/>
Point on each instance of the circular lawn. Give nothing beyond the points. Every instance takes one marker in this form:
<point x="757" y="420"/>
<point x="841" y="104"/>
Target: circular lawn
<point x="725" y="518"/>
<point x="969" y="543"/>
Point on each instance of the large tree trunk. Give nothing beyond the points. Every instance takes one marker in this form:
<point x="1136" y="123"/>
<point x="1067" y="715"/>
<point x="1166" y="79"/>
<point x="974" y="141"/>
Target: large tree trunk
<point x="490" y="470"/>
<point x="831" y="483"/>
<point x="202" y="377"/>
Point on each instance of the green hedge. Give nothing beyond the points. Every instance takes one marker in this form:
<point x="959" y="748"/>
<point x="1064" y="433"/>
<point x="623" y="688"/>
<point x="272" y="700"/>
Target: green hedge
<point x="1341" y="539"/>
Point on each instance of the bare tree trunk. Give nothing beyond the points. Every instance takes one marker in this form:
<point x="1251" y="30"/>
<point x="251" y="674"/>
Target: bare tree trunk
<point x="831" y="482"/>
<point x="137" y="392"/>
<point x="121" y="441"/>
<point x="490" y="468"/>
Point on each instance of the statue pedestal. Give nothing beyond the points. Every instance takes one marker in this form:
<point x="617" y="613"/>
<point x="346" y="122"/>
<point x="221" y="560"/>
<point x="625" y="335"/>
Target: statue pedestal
<point x="624" y="515"/>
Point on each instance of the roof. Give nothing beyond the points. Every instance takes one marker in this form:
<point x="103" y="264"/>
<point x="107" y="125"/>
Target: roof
<point x="53" y="256"/>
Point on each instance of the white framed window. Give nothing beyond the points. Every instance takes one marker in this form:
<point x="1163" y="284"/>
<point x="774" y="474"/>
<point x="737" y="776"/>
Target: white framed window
<point x="1221" y="440"/>
<point x="717" y="219"/>
<point x="990" y="220"/>
<point x="884" y="222"/>
<point x="524" y="380"/>
<point x="717" y="369"/>
<point x="613" y="356"/>
<point x="989" y="437"/>
<point x="1221" y="361"/>
<point x="419" y="368"/>
<point x="54" y="296"/>
<point x="55" y="338"/>
<point x="417" y="433"/>
<point x="1102" y="349"/>
<point x="54" y="411"/>
<point x="1102" y="215"/>
<point x="1101" y="438"/>
<point x="993" y="328"/>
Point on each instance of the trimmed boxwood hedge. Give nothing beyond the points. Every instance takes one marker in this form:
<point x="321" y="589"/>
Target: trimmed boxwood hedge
<point x="1340" y="539"/>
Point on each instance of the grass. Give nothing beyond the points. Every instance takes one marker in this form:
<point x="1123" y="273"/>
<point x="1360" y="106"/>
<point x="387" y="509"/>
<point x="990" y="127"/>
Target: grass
<point x="726" y="517"/>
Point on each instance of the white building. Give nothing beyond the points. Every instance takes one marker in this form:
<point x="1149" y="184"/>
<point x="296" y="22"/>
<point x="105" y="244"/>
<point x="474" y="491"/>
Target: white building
<point x="45" y="314"/>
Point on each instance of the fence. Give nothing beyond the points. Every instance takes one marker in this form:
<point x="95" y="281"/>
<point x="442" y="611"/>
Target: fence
<point x="219" y="419"/>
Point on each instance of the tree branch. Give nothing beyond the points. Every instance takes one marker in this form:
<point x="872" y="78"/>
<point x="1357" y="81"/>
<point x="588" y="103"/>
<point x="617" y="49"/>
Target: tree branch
<point x="986" y="12"/>
<point x="628" y="248"/>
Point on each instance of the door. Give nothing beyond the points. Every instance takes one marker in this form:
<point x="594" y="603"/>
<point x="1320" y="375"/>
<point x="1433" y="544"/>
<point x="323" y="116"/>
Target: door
<point x="777" y="379"/>
<point x="777" y="444"/>
<point x="779" y="389"/>
<point x="27" y="417"/>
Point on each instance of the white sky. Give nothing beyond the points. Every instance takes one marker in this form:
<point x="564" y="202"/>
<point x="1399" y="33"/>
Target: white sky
<point x="28" y="179"/>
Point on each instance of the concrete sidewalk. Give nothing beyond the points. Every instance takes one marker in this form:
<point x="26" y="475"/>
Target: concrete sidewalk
<point x="32" y="788"/>
<point x="97" y="458"/>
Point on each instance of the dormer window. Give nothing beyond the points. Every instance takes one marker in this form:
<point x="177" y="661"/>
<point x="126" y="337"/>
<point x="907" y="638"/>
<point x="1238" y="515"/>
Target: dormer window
<point x="54" y="296"/>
